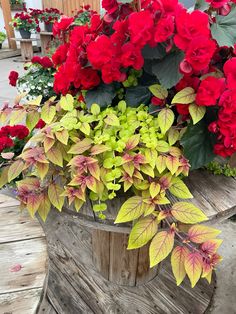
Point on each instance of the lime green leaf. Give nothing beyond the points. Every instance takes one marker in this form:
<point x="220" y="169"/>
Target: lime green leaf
<point x="161" y="246"/>
<point x="165" y="119"/>
<point x="17" y="116"/>
<point x="162" y="146"/>
<point x="48" y="113"/>
<point x="173" y="136"/>
<point x="67" y="102"/>
<point x="200" y="233"/>
<point x="179" y="189"/>
<point x="147" y="169"/>
<point x="172" y="163"/>
<point x="130" y="210"/>
<point x="55" y="156"/>
<point x="197" y="112"/>
<point x="55" y="195"/>
<point x="158" y="91"/>
<point x="187" y="213"/>
<point x="112" y="119"/>
<point x="142" y="232"/>
<point x="4" y="176"/>
<point x="185" y="96"/>
<point x="193" y="267"/>
<point x="85" y="128"/>
<point x="99" y="207"/>
<point x="32" y="119"/>
<point x="133" y="141"/>
<point x="154" y="189"/>
<point x="44" y="207"/>
<point x="62" y="136"/>
<point x="161" y="163"/>
<point x="95" y="109"/>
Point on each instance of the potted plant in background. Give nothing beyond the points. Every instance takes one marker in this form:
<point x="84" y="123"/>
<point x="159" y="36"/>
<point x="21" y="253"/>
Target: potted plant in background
<point x="25" y="23"/>
<point x="49" y="16"/>
<point x="3" y="36"/>
<point x="17" y="5"/>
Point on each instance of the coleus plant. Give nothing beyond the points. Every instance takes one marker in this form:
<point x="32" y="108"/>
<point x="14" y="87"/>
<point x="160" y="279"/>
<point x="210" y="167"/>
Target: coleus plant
<point x="141" y="43"/>
<point x="92" y="154"/>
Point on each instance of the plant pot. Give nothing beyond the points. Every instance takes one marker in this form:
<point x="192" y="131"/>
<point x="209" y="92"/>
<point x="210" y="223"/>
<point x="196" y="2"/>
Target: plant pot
<point x="17" y="7"/>
<point x="48" y="27"/>
<point x="24" y="33"/>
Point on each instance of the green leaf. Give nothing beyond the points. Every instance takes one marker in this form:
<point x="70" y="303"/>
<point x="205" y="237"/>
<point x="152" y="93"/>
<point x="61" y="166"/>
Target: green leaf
<point x="99" y="207"/>
<point x="85" y="128"/>
<point x="162" y="146"/>
<point x="169" y="64"/>
<point x="224" y="29"/>
<point x="4" y="176"/>
<point x="80" y="147"/>
<point x="67" y="102"/>
<point x="158" y="91"/>
<point x="15" y="169"/>
<point x="137" y="95"/>
<point x="112" y="119"/>
<point x="48" y="113"/>
<point x="101" y="95"/>
<point x="161" y="246"/>
<point x="165" y="119"/>
<point x="44" y="207"/>
<point x="32" y="119"/>
<point x="95" y="109"/>
<point x="198" y="145"/>
<point x="130" y="210"/>
<point x="187" y="213"/>
<point x="142" y="232"/>
<point x="197" y="112"/>
<point x="151" y="53"/>
<point x="185" y="96"/>
<point x="55" y="195"/>
<point x="179" y="189"/>
<point x="173" y="136"/>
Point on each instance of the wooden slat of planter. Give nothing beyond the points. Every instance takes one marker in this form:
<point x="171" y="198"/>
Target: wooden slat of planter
<point x="16" y="225"/>
<point x="32" y="256"/>
<point x="7" y="201"/>
<point x="20" y="302"/>
<point x="101" y="257"/>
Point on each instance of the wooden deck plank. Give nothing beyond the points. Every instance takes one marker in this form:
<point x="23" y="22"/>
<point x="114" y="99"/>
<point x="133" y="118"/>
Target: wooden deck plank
<point x="32" y="256"/>
<point x="21" y="302"/>
<point x="20" y="225"/>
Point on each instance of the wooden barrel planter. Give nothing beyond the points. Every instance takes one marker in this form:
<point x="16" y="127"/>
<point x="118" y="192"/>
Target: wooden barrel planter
<point x="91" y="267"/>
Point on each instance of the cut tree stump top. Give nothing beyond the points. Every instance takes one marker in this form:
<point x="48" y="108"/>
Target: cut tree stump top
<point x="23" y="259"/>
<point x="215" y="195"/>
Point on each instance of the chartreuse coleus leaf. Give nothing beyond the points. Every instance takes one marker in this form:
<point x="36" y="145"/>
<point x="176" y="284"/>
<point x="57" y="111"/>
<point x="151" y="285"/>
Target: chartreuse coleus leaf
<point x="172" y="164"/>
<point x="179" y="189"/>
<point x="4" y="176"/>
<point x="42" y="169"/>
<point x="48" y="113"/>
<point x="165" y="119"/>
<point x="81" y="146"/>
<point x="142" y="232"/>
<point x="197" y="112"/>
<point x="15" y="169"/>
<point x="193" y="267"/>
<point x="173" y="136"/>
<point x="200" y="233"/>
<point x="160" y="247"/>
<point x="17" y="116"/>
<point x="55" y="195"/>
<point x="185" y="96"/>
<point x="67" y="102"/>
<point x="158" y="91"/>
<point x="187" y="213"/>
<point x="32" y="119"/>
<point x="44" y="207"/>
<point x="161" y="163"/>
<point x="178" y="257"/>
<point x="95" y="109"/>
<point x="55" y="156"/>
<point x="62" y="136"/>
<point x="154" y="189"/>
<point x="130" y="210"/>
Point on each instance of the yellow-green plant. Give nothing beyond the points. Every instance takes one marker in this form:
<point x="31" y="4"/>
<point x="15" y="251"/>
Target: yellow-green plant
<point x="91" y="154"/>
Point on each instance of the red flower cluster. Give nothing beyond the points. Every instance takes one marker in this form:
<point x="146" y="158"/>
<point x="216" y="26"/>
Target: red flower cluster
<point x="7" y="133"/>
<point x="45" y="62"/>
<point x="93" y="54"/>
<point x="26" y="20"/>
<point x="13" y="77"/>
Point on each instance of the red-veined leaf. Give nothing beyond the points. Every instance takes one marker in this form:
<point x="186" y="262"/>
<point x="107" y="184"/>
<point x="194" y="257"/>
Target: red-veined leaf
<point x="193" y="267"/>
<point x="187" y="213"/>
<point x="15" y="169"/>
<point x="177" y="262"/>
<point x="130" y="210"/>
<point x="200" y="233"/>
<point x="55" y="195"/>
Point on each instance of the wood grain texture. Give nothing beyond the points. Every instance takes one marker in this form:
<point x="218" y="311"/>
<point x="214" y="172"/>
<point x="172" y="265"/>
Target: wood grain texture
<point x="23" y="259"/>
<point x="76" y="287"/>
<point x="69" y="7"/>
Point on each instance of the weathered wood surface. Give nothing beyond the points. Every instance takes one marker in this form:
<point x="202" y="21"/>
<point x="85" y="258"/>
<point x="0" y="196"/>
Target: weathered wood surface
<point x="215" y="195"/>
<point x="76" y="287"/>
<point x="45" y="38"/>
<point x="23" y="259"/>
<point x="26" y="47"/>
